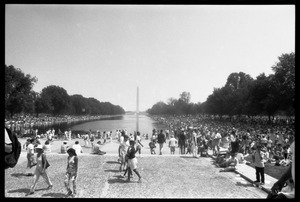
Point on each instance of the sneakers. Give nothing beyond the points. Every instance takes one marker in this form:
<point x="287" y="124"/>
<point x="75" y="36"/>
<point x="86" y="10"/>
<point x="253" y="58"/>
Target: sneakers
<point x="256" y="181"/>
<point x="262" y="183"/>
<point x="50" y="186"/>
<point x="140" y="180"/>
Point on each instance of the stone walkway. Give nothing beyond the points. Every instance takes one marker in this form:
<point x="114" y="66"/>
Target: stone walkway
<point x="111" y="148"/>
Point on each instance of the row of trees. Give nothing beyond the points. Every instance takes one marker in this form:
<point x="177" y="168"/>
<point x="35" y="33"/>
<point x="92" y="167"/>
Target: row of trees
<point x="20" y="98"/>
<point x="243" y="95"/>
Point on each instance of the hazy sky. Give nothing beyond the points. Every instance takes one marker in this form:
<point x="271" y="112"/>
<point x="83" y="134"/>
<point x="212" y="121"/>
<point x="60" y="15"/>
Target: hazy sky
<point x="106" y="51"/>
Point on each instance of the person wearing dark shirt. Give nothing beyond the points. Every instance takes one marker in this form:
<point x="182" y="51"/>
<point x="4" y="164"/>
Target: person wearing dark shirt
<point x="235" y="146"/>
<point x="181" y="142"/>
<point x="132" y="160"/>
<point x="161" y="139"/>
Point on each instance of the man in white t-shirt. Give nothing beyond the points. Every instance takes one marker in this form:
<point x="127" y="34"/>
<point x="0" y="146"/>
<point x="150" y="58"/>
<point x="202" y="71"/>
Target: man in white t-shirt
<point x="78" y="148"/>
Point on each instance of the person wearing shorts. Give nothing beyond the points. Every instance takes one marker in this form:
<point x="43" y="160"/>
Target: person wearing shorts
<point x="132" y="160"/>
<point x="72" y="170"/>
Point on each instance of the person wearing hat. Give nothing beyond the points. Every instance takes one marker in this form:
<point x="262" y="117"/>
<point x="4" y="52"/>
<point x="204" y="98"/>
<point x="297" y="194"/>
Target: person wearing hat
<point x="41" y="169"/>
<point x="72" y="170"/>
<point x="259" y="157"/>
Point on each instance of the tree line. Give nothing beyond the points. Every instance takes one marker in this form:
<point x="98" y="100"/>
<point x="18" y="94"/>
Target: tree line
<point x="54" y="100"/>
<point x="243" y="95"/>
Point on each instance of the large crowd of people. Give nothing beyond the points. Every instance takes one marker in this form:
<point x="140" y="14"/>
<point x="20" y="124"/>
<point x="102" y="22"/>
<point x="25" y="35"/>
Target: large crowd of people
<point x="235" y="135"/>
<point x="230" y="140"/>
<point x="26" y="125"/>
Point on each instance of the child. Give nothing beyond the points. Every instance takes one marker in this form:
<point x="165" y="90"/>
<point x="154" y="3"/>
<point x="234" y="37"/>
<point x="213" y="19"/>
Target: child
<point x="172" y="144"/>
<point x="189" y="147"/>
<point x="152" y="146"/>
<point x="72" y="170"/>
<point x="258" y="158"/>
<point x="41" y="169"/>
<point x="132" y="160"/>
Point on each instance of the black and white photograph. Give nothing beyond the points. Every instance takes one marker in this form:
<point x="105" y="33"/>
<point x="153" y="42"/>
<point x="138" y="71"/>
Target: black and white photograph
<point x="149" y="101"/>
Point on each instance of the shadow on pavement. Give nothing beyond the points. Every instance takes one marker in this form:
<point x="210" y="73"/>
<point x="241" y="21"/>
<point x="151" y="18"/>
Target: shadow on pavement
<point x="19" y="191"/>
<point x="20" y="175"/>
<point x="55" y="195"/>
<point x="117" y="180"/>
<point x="188" y="157"/>
<point x="112" y="162"/>
<point x="114" y="171"/>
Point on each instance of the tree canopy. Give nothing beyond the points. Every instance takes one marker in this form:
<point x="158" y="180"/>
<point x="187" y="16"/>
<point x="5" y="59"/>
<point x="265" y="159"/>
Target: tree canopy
<point x="243" y="95"/>
<point x="19" y="97"/>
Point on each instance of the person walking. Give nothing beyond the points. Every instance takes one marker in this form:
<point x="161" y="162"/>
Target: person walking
<point x="30" y="157"/>
<point x="132" y="161"/>
<point x="41" y="169"/>
<point x="71" y="174"/>
<point x="161" y="139"/>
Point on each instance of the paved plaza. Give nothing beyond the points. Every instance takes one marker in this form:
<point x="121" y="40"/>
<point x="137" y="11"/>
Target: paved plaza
<point x="163" y="176"/>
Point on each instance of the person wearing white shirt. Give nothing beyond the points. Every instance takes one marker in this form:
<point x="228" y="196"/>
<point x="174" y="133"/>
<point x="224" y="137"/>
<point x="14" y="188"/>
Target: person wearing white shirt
<point x="172" y="144"/>
<point x="78" y="148"/>
<point x="30" y="157"/>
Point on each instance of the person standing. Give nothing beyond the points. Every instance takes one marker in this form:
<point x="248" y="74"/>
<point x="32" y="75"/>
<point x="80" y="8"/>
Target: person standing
<point x="86" y="140"/>
<point x="132" y="161"/>
<point x="172" y="144"/>
<point x="41" y="169"/>
<point x="195" y="136"/>
<point x="161" y="139"/>
<point x="30" y="157"/>
<point x="259" y="158"/>
<point x="181" y="142"/>
<point x="139" y="145"/>
<point x="123" y="150"/>
<point x="72" y="170"/>
<point x="152" y="146"/>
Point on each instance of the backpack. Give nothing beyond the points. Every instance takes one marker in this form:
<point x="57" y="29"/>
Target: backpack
<point x="11" y="158"/>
